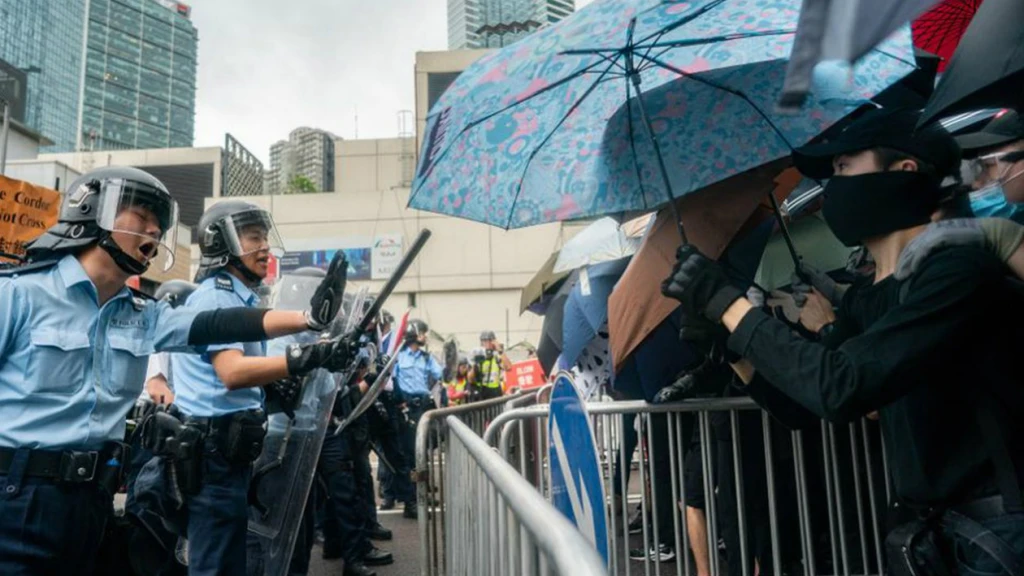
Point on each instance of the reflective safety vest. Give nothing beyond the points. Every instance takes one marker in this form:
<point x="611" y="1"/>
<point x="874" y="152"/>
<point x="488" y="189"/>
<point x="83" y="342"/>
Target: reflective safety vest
<point x="455" y="389"/>
<point x="491" y="374"/>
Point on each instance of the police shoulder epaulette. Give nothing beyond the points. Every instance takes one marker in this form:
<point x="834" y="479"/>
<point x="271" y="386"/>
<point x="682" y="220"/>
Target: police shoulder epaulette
<point x="140" y="299"/>
<point x="223" y="283"/>
<point x="17" y="270"/>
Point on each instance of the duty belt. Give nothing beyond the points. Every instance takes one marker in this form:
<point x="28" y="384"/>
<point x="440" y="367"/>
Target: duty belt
<point x="73" y="466"/>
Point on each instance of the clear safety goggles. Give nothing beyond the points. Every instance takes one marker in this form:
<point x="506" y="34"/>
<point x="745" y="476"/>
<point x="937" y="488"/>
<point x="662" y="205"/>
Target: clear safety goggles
<point x="149" y="214"/>
<point x="981" y="167"/>
<point x="250" y="232"/>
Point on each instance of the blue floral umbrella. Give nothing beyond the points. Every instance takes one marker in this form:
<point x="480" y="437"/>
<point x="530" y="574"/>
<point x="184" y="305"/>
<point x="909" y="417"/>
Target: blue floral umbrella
<point x="554" y="127"/>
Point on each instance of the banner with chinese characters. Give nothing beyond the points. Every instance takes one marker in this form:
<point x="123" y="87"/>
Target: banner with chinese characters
<point x="525" y="375"/>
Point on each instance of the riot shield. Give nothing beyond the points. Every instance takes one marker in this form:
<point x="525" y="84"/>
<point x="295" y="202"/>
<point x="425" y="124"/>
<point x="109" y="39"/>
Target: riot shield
<point x="283" y="475"/>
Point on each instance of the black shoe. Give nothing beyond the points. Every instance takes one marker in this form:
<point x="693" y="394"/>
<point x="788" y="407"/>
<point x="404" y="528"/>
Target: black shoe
<point x="665" y="553"/>
<point x="410" y="512"/>
<point x="387" y="504"/>
<point x="357" y="569"/>
<point x="378" y="557"/>
<point x="378" y="532"/>
<point x="332" y="551"/>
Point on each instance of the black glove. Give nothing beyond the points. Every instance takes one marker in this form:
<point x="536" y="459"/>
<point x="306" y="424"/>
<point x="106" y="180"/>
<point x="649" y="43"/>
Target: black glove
<point x="700" y="284"/>
<point x="705" y="380"/>
<point x="283" y="395"/>
<point x="331" y="355"/>
<point x="326" y="301"/>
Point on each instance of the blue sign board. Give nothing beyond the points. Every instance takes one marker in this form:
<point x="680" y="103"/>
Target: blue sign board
<point x="576" y="487"/>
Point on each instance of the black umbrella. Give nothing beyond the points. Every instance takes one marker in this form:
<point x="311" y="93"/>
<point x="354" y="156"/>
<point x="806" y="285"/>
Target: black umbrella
<point x="987" y="69"/>
<point x="551" y="334"/>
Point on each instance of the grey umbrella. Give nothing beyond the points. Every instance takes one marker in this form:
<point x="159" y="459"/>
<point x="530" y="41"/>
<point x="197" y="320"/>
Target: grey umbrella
<point x="841" y="30"/>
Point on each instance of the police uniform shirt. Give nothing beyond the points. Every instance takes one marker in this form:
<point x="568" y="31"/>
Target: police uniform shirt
<point x="70" y="369"/>
<point x="197" y="389"/>
<point x="414" y="372"/>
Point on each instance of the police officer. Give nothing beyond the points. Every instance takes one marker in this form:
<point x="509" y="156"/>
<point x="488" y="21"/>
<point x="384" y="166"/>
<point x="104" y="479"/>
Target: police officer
<point x="73" y="351"/>
<point x="415" y="373"/>
<point x="489" y="367"/>
<point x="219" y="392"/>
<point x="350" y="516"/>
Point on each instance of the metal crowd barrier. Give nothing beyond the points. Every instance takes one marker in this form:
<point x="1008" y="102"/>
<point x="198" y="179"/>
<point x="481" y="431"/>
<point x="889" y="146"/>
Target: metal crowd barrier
<point x="432" y="439"/>
<point x="785" y="502"/>
<point x="498" y="524"/>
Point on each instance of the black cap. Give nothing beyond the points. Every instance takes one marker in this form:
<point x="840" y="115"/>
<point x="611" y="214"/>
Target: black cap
<point x="1006" y="127"/>
<point x="893" y="128"/>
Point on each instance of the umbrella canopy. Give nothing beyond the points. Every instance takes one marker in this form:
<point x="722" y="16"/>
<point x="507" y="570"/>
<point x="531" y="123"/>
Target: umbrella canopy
<point x="602" y="241"/>
<point x="816" y="244"/>
<point x="843" y="30"/>
<point x="940" y="28"/>
<point x="656" y="362"/>
<point x="587" y="307"/>
<point x="550" y="346"/>
<point x="551" y="127"/>
<point x="712" y="218"/>
<point x="987" y="69"/>
<point x="545" y="280"/>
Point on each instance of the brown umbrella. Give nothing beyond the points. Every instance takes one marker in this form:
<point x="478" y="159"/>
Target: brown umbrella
<point x="711" y="217"/>
<point x="542" y="281"/>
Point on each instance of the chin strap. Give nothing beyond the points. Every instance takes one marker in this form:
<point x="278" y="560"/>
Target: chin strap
<point x="121" y="258"/>
<point x="250" y="276"/>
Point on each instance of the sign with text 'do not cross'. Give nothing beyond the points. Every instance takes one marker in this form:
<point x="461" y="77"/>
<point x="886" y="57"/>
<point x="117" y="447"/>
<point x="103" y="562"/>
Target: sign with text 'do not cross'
<point x="576" y="487"/>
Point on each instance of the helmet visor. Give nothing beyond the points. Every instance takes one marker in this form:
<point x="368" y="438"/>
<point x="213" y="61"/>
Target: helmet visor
<point x="295" y="292"/>
<point x="144" y="216"/>
<point x="250" y="232"/>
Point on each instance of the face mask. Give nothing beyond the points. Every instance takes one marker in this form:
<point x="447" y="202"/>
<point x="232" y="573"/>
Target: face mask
<point x="869" y="205"/>
<point x="990" y="202"/>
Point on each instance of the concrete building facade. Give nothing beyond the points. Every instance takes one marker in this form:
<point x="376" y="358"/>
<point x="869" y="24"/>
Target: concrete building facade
<point x="308" y="152"/>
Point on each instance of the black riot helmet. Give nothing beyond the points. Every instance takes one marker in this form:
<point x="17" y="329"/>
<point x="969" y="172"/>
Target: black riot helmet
<point x="295" y="289"/>
<point x="222" y="234"/>
<point x="108" y="200"/>
<point x="175" y="292"/>
<point x="416" y="332"/>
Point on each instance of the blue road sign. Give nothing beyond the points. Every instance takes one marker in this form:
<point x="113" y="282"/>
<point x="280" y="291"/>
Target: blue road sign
<point x="576" y="486"/>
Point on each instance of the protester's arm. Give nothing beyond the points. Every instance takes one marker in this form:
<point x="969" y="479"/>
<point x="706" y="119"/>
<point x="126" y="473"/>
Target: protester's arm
<point x="945" y="302"/>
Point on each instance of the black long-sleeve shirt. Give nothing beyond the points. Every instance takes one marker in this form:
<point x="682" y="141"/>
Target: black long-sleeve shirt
<point x="923" y="362"/>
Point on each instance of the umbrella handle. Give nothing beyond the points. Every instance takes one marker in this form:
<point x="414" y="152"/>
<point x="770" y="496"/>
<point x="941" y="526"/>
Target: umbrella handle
<point x="785" y="233"/>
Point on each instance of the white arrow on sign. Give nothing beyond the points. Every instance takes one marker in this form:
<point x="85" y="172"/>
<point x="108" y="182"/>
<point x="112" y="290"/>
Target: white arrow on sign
<point x="579" y="498"/>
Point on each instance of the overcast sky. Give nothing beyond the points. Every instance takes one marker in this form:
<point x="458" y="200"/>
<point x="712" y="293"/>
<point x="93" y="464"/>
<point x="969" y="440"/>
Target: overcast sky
<point x="269" y="66"/>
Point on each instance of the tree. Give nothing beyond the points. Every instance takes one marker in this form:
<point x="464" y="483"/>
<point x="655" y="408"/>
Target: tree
<point x="300" y="184"/>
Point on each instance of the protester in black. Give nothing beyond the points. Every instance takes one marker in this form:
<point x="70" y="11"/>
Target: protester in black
<point x="934" y="354"/>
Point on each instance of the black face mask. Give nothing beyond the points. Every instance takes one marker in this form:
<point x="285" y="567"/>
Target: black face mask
<point x="860" y="207"/>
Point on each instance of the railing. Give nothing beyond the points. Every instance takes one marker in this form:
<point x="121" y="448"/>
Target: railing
<point x="432" y="436"/>
<point x="775" y="501"/>
<point x="498" y="523"/>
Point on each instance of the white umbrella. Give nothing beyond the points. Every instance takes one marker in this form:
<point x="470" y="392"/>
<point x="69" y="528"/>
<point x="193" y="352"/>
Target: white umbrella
<point x="602" y="241"/>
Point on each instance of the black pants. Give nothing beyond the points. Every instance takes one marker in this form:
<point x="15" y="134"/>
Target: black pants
<point x="345" y="517"/>
<point x="390" y="441"/>
<point x="46" y="528"/>
<point x="403" y="482"/>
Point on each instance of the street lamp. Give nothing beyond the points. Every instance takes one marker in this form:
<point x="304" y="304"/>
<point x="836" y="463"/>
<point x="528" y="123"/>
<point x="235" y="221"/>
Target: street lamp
<point x="5" y="132"/>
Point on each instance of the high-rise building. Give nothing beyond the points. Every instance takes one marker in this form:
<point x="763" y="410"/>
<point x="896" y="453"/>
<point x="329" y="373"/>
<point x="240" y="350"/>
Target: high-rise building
<point x="45" y="36"/>
<point x="140" y="75"/>
<point x="104" y="74"/>
<point x="302" y="163"/>
<point x="497" y="23"/>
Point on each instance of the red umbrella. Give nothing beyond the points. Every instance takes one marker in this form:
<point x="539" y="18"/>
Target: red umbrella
<point x="939" y="30"/>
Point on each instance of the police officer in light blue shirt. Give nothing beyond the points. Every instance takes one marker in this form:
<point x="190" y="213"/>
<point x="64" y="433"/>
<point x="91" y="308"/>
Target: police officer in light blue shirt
<point x="221" y="391"/>
<point x="415" y="373"/>
<point x="74" y="345"/>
